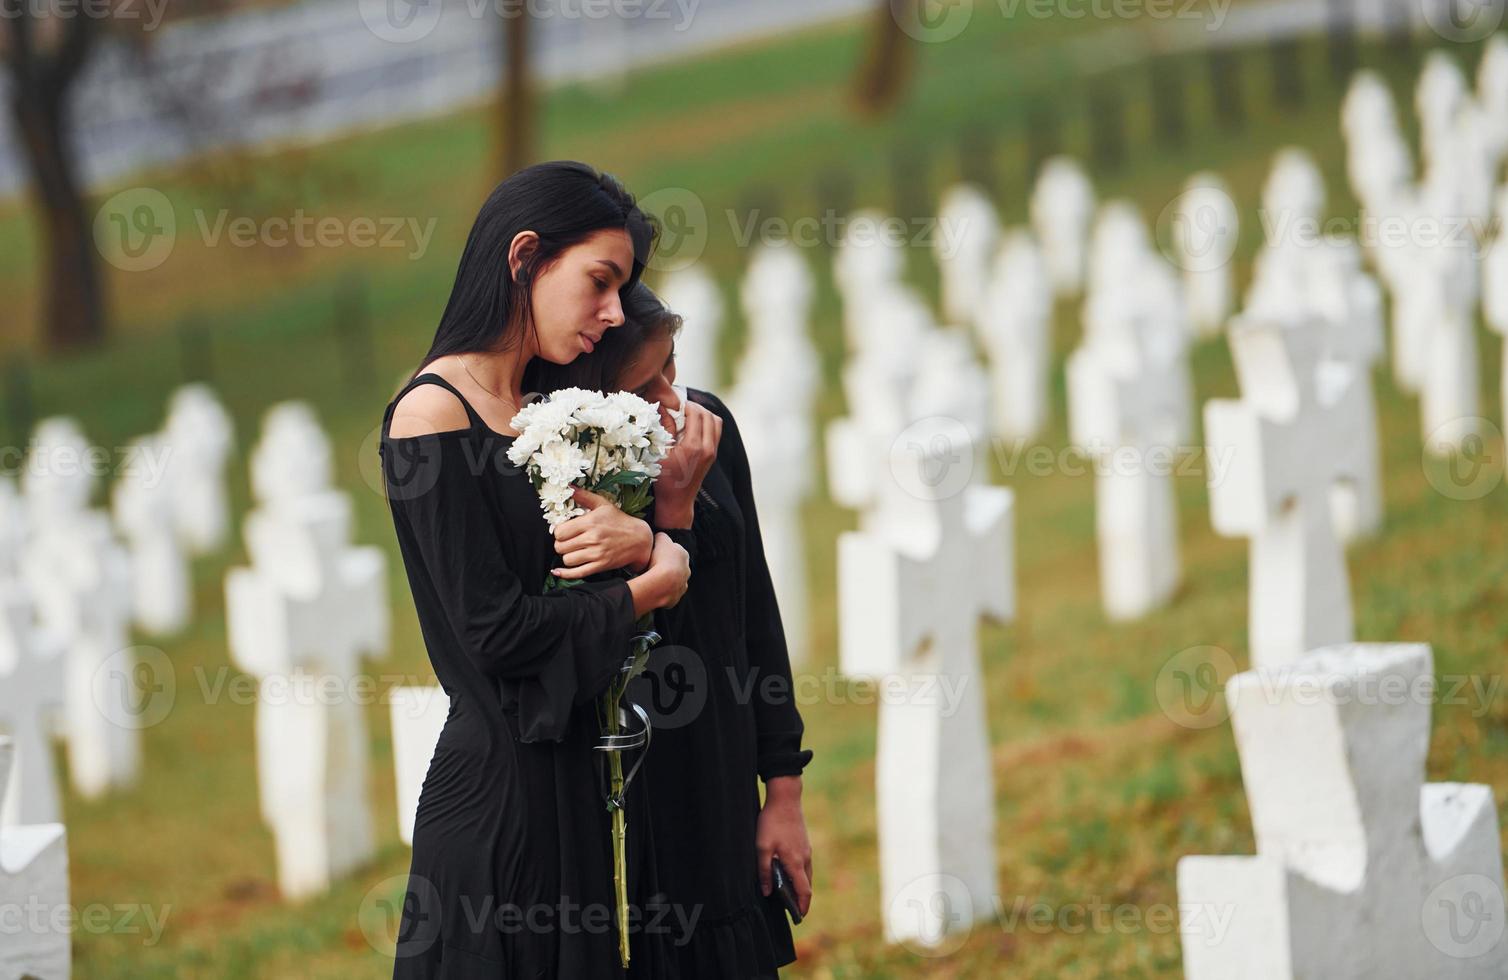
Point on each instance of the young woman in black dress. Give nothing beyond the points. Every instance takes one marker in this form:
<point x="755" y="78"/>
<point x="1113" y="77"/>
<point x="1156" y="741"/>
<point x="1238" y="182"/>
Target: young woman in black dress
<point x="719" y="688"/>
<point x="512" y="865"/>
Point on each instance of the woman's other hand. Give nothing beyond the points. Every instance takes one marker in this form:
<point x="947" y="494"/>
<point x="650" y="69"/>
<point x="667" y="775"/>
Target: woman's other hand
<point x="684" y="469"/>
<point x="782" y="833"/>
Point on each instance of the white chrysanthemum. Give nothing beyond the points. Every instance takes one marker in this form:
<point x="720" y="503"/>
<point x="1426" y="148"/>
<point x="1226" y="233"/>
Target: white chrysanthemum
<point x="604" y="416"/>
<point x="559" y="461"/>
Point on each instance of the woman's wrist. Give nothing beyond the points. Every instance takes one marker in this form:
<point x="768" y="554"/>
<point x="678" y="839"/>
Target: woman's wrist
<point x="783" y="791"/>
<point x="647" y="550"/>
<point x="650" y="591"/>
<point x="675" y="515"/>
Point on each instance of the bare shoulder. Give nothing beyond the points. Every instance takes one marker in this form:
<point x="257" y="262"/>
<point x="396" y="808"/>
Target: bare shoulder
<point x="426" y="410"/>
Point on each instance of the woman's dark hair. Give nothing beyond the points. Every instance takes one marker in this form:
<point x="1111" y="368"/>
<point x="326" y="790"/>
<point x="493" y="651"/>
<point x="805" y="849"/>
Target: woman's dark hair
<point x="563" y="202"/>
<point x="645" y="315"/>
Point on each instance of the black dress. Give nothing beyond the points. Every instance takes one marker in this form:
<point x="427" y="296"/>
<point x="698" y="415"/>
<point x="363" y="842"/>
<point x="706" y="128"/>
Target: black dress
<point x="512" y="864"/>
<point x="719" y="692"/>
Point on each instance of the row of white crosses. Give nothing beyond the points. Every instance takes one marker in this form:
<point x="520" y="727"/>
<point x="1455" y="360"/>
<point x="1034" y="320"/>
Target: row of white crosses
<point x="69" y="590"/>
<point x="1203" y="230"/>
<point x="33" y="874"/>
<point x="997" y="282"/>
<point x="71" y="630"/>
<point x="1130" y="399"/>
<point x="300" y="619"/>
<point x="1434" y="282"/>
<point x="773" y="395"/>
<point x="169" y="502"/>
<point x="774" y="399"/>
<point x="935" y="553"/>
<point x="1362" y="870"/>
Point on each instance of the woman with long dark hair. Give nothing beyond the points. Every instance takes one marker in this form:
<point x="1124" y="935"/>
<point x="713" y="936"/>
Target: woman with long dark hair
<point x="719" y="689"/>
<point x="512" y="865"/>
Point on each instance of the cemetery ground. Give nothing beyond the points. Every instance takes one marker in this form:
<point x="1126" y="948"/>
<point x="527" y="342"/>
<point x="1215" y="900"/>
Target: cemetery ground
<point x="1099" y="791"/>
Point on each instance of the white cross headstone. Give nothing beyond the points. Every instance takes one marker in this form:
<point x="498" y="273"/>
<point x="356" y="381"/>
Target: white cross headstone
<point x="1286" y="444"/>
<point x="969" y="230"/>
<point x="200" y="438"/>
<point x="1293" y="196"/>
<point x="693" y="294"/>
<point x="913" y="599"/>
<point x="1492" y="88"/>
<point x="1062" y="207"/>
<point x="1015" y="321"/>
<point x="145" y="511"/>
<point x="1126" y="411"/>
<point x="1363" y="870"/>
<point x="300" y="619"/>
<point x="418" y="715"/>
<point x="33" y="876"/>
<point x="777" y="293"/>
<point x="773" y="397"/>
<point x="867" y="269"/>
<point x="1441" y="92"/>
<point x="1438" y="295"/>
<point x="1322" y="283"/>
<point x="1379" y="164"/>
<point x="1205" y="228"/>
<point x="31" y="697"/>
<point x="80" y="579"/>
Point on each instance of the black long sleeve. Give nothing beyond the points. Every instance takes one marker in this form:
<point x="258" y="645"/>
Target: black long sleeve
<point x="562" y="648"/>
<point x="777" y="717"/>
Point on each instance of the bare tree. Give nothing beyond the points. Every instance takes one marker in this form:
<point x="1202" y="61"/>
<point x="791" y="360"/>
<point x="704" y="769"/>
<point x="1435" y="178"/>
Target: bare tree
<point x="887" y="65"/>
<point x="515" y="133"/>
<point x="43" y="56"/>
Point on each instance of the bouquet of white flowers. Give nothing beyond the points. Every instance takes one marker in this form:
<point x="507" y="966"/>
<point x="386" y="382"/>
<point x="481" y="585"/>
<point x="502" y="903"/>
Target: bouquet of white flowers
<point x="611" y="445"/>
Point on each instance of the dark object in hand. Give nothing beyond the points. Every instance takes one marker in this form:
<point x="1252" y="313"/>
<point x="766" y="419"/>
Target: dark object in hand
<point x="782" y="889"/>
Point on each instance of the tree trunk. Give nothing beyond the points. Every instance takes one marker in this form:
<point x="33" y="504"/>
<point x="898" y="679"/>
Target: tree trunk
<point x="516" y="101"/>
<point x="74" y="303"/>
<point x="883" y="76"/>
<point x="74" y="300"/>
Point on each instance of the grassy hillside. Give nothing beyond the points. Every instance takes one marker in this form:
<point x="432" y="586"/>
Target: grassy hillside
<point x="1098" y="791"/>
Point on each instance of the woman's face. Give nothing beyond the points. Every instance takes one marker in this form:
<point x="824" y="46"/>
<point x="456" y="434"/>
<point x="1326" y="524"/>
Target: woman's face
<point x="650" y="374"/>
<point x="576" y="298"/>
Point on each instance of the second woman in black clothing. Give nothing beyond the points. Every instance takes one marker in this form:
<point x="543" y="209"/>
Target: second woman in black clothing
<point x="719" y="688"/>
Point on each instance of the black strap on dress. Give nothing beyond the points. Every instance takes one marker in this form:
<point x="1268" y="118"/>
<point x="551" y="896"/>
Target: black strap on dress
<point x="429" y="378"/>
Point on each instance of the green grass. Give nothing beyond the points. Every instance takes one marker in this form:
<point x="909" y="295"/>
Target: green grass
<point x="1098" y="793"/>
